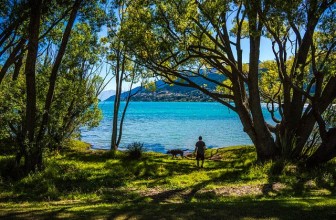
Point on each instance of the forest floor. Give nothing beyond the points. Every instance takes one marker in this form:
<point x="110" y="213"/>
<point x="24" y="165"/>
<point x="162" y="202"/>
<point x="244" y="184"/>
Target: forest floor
<point x="79" y="183"/>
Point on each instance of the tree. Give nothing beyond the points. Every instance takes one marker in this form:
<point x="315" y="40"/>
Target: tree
<point x="75" y="102"/>
<point x="47" y="29"/>
<point x="305" y="77"/>
<point x="183" y="39"/>
<point x="123" y="69"/>
<point x="31" y="152"/>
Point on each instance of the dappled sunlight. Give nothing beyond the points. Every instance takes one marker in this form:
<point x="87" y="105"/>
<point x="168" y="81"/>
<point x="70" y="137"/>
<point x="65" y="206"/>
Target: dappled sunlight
<point x="85" y="183"/>
<point x="242" y="209"/>
<point x="101" y="103"/>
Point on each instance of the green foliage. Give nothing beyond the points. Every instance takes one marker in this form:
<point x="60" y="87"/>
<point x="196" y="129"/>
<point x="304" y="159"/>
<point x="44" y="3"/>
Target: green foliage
<point x="61" y="91"/>
<point x="227" y="89"/>
<point x="329" y="115"/>
<point x="179" y="39"/>
<point x="135" y="150"/>
<point x="75" y="102"/>
<point x="244" y="32"/>
<point x="270" y="84"/>
<point x="12" y="106"/>
<point x="151" y="86"/>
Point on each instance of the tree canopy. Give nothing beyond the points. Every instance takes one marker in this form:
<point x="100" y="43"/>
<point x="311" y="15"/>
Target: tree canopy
<point x="50" y="54"/>
<point x="182" y="39"/>
<point x="48" y="83"/>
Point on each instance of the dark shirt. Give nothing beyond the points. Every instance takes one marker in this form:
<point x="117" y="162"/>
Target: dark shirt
<point x="200" y="145"/>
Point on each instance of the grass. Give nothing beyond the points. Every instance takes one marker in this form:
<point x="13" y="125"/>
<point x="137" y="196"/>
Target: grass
<point x="79" y="183"/>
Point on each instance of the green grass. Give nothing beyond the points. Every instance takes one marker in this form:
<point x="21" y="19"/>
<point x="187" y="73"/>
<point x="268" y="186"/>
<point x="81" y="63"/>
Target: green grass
<point x="78" y="183"/>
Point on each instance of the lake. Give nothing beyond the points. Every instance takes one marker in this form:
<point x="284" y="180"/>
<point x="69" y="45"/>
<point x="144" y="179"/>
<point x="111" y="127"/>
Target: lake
<point x="168" y="125"/>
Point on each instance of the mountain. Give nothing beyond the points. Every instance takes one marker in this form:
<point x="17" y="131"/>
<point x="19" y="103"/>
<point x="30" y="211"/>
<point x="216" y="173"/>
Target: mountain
<point x="106" y="94"/>
<point x="174" y="93"/>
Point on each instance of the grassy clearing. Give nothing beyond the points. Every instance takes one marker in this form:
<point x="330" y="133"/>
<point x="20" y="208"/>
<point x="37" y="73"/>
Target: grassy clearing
<point x="79" y="183"/>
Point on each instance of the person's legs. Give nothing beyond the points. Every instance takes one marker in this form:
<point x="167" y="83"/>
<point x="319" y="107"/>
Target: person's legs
<point x="202" y="158"/>
<point x="197" y="158"/>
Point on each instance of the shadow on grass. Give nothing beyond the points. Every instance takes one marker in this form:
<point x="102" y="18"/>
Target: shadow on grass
<point x="248" y="209"/>
<point x="225" y="210"/>
<point x="60" y="179"/>
<point x="69" y="177"/>
<point x="89" y="156"/>
<point x="301" y="181"/>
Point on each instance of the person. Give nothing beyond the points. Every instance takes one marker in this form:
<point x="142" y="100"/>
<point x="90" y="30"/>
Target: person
<point x="200" y="150"/>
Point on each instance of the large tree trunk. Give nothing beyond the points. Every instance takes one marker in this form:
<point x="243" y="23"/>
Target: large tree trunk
<point x="307" y="122"/>
<point x="297" y="123"/>
<point x="293" y="140"/>
<point x="264" y="142"/>
<point x="326" y="151"/>
<point x="32" y="157"/>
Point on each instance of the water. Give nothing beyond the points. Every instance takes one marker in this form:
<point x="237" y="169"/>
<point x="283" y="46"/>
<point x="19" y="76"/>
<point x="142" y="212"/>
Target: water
<point x="168" y="125"/>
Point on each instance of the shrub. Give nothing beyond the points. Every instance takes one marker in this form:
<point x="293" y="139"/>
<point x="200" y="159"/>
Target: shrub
<point x="135" y="150"/>
<point x="9" y="169"/>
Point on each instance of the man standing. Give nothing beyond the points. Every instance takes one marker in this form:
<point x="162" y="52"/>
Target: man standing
<point x="200" y="150"/>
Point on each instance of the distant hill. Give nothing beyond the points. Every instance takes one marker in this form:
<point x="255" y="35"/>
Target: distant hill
<point x="106" y="94"/>
<point x="173" y="93"/>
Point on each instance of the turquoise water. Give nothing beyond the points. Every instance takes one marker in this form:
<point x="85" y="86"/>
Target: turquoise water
<point x="168" y="125"/>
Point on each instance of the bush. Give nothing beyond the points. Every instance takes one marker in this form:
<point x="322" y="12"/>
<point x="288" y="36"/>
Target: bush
<point x="135" y="150"/>
<point x="9" y="169"/>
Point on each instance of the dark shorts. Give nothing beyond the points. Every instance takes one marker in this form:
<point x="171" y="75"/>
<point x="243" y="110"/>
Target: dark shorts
<point x="199" y="156"/>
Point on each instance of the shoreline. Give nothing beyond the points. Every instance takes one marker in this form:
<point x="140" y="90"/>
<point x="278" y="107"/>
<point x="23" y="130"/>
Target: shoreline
<point x="123" y="149"/>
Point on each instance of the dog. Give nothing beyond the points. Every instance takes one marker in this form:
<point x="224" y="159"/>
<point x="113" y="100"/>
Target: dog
<point x="175" y="152"/>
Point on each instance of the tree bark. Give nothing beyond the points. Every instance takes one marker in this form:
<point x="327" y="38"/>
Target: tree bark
<point x="119" y="72"/>
<point x="264" y="141"/>
<point x="326" y="151"/>
<point x="18" y="65"/>
<point x="31" y="159"/>
<point x="124" y="111"/>
<point x="307" y="122"/>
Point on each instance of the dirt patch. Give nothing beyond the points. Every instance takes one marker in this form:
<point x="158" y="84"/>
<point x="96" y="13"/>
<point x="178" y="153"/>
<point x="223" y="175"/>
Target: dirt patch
<point x="249" y="190"/>
<point x="159" y="195"/>
<point x="215" y="157"/>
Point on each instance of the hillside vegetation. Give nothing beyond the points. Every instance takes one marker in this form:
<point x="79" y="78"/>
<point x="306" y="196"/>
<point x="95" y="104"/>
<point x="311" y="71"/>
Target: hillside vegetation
<point x="80" y="183"/>
<point x="165" y="92"/>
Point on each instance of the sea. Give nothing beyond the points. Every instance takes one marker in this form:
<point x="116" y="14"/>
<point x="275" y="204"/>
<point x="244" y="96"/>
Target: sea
<point x="161" y="126"/>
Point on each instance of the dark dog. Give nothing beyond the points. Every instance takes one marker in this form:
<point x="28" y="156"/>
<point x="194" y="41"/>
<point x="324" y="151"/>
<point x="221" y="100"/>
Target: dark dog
<point x="176" y="152"/>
